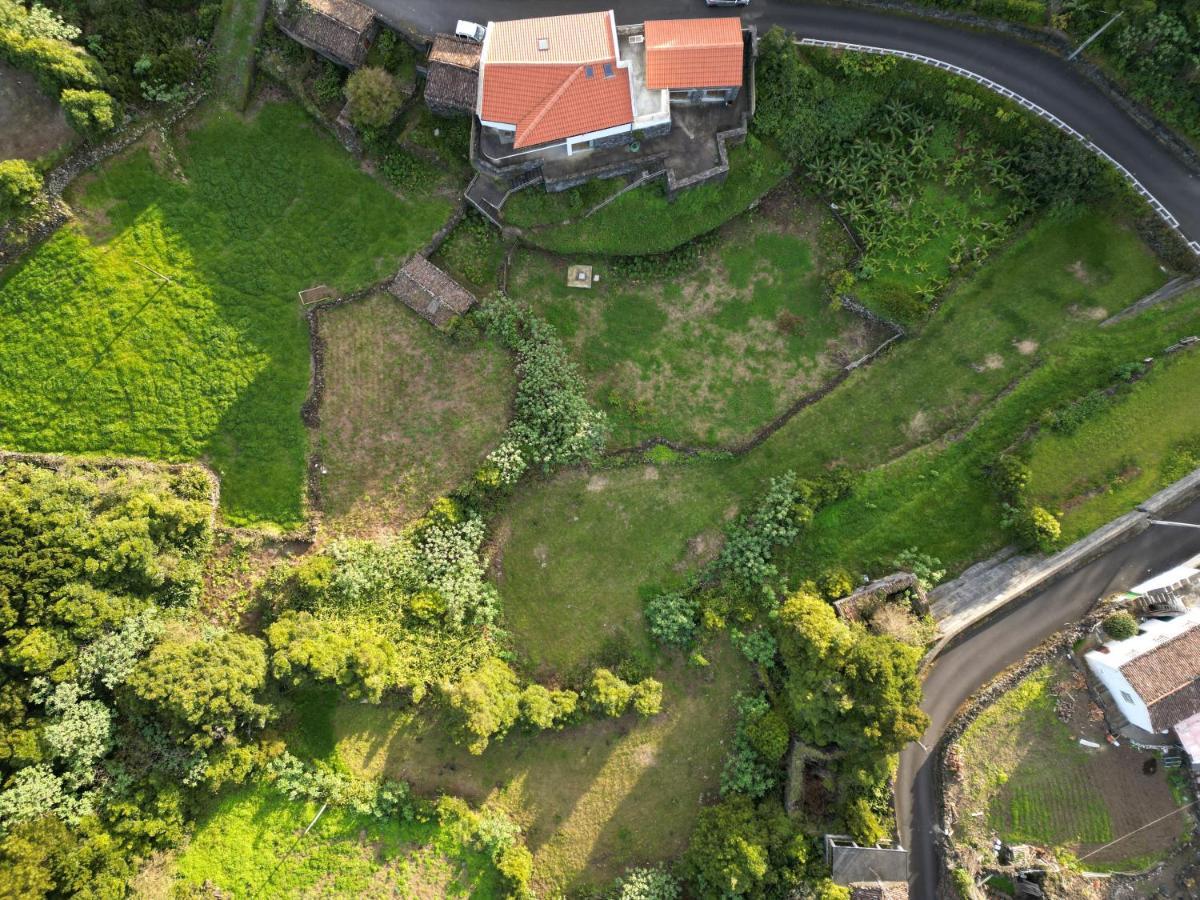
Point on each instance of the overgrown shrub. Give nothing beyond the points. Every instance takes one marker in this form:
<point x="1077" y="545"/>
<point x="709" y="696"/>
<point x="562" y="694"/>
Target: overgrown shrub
<point x="374" y="97"/>
<point x="646" y="883"/>
<point x="543" y="708"/>
<point x="747" y="770"/>
<point x="349" y="653"/>
<point x="39" y="42"/>
<point x="19" y="184"/>
<point x="554" y="425"/>
<point x="485" y="704"/>
<point x="671" y="619"/>
<point x="385" y="799"/>
<point x="91" y="113"/>
<point x="327" y="87"/>
<point x="1120" y="625"/>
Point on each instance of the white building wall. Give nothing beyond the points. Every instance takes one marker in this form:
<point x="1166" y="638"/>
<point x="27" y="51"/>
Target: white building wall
<point x="1131" y="705"/>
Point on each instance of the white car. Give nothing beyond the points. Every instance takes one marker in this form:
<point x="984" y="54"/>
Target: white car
<point x="470" y="30"/>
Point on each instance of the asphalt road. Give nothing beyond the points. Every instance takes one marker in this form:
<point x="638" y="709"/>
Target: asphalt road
<point x="1034" y="73"/>
<point x="1056" y="86"/>
<point x="994" y="645"/>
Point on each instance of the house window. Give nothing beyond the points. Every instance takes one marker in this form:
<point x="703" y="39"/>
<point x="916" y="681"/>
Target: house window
<point x="1128" y="699"/>
<point x="608" y="70"/>
<point x="718" y="94"/>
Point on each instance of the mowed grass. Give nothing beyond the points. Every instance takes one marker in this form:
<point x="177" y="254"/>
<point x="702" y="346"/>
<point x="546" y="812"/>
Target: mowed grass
<point x="167" y="325"/>
<point x="255" y="834"/>
<point x="592" y="799"/>
<point x="1145" y="440"/>
<point x="1006" y="346"/>
<point x="707" y="357"/>
<point x="644" y="220"/>
<point x="407" y="415"/>
<point x="1022" y="766"/>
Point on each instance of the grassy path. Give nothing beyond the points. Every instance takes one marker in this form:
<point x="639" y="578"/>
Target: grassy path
<point x="233" y="46"/>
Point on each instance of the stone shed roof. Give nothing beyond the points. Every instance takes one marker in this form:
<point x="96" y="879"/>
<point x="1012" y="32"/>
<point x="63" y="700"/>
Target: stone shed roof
<point x="430" y="292"/>
<point x="879" y="890"/>
<point x="333" y="27"/>
<point x="1167" y="678"/>
<point x="453" y="78"/>
<point x="455" y="51"/>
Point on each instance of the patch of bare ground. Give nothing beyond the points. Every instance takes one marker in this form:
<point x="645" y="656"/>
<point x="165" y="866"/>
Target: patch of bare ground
<point x="239" y="561"/>
<point x="1026" y="347"/>
<point x="33" y="122"/>
<point x="407" y="414"/>
<point x="701" y="550"/>
<point x="1087" y="313"/>
<point x="990" y="363"/>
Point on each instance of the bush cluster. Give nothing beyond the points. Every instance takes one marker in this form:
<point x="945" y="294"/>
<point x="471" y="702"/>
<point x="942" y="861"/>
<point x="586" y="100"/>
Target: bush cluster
<point x="487" y="703"/>
<point x="742" y="577"/>
<point x="555" y="425"/>
<point x="20" y="183"/>
<point x="1120" y="625"/>
<point x="1033" y="525"/>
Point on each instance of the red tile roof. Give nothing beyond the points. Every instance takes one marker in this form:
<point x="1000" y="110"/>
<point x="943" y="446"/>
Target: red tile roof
<point x="548" y="94"/>
<point x="1167" y="678"/>
<point x="693" y="53"/>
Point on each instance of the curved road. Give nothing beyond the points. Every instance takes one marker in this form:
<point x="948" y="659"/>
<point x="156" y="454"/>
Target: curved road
<point x="995" y="644"/>
<point x="1036" y="74"/>
<point x="1054" y="85"/>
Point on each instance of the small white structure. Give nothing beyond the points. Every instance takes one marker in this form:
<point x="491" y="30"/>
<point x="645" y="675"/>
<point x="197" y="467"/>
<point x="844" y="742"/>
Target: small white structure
<point x="1154" y="677"/>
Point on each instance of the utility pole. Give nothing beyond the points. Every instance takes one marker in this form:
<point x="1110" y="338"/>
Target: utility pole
<point x="1095" y="34"/>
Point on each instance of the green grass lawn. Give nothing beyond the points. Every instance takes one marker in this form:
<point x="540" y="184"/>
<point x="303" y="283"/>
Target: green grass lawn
<point x="592" y="799"/>
<point x="588" y="548"/>
<point x="102" y="355"/>
<point x="1022" y="766"/>
<point x="1146" y="439"/>
<point x="708" y="355"/>
<point x="408" y="414"/>
<point x="249" y="836"/>
<point x="473" y="254"/>
<point x="643" y="220"/>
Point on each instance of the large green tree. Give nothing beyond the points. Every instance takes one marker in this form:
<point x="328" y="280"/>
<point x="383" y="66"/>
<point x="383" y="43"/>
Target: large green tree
<point x="203" y="689"/>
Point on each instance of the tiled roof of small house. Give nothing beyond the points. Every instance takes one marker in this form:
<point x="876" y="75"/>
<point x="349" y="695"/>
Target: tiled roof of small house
<point x="453" y="78"/>
<point x="1167" y="678"/>
<point x="430" y="292"/>
<point x="693" y="53"/>
<point x="455" y="51"/>
<point x="554" y="77"/>
<point x="334" y="27"/>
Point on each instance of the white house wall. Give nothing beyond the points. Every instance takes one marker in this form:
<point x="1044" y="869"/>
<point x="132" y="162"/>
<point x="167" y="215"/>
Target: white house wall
<point x="1131" y="705"/>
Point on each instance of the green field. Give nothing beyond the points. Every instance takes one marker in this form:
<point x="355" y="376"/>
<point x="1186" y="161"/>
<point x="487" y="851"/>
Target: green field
<point x="166" y="324"/>
<point x="587" y="548"/>
<point x="710" y="353"/>
<point x="255" y="833"/>
<point x="407" y="415"/>
<point x="1142" y="441"/>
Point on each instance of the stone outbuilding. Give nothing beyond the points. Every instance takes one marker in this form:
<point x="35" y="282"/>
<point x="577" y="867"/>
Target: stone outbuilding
<point x="452" y="75"/>
<point x="342" y="31"/>
<point x="430" y="292"/>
